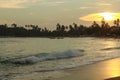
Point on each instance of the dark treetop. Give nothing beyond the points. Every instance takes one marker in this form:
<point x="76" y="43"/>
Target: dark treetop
<point x="74" y="30"/>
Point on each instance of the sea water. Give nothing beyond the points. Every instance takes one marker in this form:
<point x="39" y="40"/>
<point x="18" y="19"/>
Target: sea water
<point x="46" y="58"/>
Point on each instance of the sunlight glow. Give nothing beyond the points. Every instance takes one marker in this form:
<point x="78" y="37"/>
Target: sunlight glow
<point x="108" y="16"/>
<point x="112" y="68"/>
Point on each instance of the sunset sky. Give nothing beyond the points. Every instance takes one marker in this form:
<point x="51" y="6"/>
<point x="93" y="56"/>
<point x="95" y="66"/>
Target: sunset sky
<point x="48" y="13"/>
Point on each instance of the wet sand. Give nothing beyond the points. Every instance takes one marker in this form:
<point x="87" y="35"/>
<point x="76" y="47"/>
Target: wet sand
<point x="105" y="70"/>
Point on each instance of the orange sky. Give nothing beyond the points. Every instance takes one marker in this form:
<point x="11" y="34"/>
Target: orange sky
<point x="50" y="12"/>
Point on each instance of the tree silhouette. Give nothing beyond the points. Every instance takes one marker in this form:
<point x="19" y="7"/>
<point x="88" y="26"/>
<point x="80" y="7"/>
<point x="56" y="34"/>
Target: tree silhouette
<point x="14" y="25"/>
<point x="116" y="23"/>
<point x="103" y="23"/>
<point x="74" y="30"/>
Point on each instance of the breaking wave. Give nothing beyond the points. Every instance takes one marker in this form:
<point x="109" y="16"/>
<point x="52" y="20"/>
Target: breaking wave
<point x="65" y="60"/>
<point x="43" y="57"/>
<point x="69" y="59"/>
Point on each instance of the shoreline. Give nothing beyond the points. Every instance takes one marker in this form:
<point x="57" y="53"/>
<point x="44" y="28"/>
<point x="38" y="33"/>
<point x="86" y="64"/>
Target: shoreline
<point x="104" y="70"/>
<point x="60" y="37"/>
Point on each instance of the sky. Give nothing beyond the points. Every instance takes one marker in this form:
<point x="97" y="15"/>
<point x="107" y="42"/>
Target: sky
<point x="47" y="13"/>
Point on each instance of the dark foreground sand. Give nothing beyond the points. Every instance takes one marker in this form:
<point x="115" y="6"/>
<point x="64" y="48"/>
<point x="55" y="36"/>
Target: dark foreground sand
<point x="105" y="70"/>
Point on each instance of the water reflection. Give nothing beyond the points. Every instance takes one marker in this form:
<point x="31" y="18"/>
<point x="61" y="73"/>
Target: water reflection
<point x="109" y="44"/>
<point x="112" y="68"/>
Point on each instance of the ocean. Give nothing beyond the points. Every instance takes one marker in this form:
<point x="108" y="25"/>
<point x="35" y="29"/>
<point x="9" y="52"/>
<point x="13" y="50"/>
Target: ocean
<point x="47" y="58"/>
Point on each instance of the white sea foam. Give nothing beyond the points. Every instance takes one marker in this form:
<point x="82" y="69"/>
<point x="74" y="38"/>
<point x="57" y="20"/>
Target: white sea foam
<point x="50" y="56"/>
<point x="96" y="50"/>
<point x="66" y="59"/>
<point x="27" y="60"/>
<point x="85" y="61"/>
<point x="66" y="54"/>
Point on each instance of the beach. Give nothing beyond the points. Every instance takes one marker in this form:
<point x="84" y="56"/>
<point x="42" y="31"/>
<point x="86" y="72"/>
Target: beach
<point x="99" y="71"/>
<point x="27" y="58"/>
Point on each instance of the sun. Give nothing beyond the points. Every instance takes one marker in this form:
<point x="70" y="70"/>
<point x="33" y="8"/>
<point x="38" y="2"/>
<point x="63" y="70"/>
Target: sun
<point x="108" y="16"/>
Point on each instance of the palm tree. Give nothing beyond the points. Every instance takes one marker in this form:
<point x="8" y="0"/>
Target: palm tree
<point x="95" y="24"/>
<point x="118" y="21"/>
<point x="14" y="25"/>
<point x="103" y="23"/>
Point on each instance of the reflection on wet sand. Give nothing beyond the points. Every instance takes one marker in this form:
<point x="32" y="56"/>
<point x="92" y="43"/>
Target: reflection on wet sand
<point x="112" y="68"/>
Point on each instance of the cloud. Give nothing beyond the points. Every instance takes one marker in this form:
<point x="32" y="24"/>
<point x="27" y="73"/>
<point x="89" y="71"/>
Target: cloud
<point x="27" y="3"/>
<point x="55" y="3"/>
<point x="84" y="7"/>
<point x="100" y="16"/>
<point x="16" y="3"/>
<point x="89" y="17"/>
<point x="104" y="4"/>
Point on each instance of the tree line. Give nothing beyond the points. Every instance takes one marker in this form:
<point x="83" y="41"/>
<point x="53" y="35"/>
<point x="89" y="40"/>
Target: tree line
<point x="74" y="30"/>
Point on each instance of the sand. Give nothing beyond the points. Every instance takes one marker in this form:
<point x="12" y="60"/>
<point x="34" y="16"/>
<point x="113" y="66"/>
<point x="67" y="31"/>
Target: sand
<point x="105" y="70"/>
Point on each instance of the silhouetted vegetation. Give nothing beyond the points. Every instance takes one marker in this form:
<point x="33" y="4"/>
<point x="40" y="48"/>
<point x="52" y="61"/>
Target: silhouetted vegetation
<point x="74" y="30"/>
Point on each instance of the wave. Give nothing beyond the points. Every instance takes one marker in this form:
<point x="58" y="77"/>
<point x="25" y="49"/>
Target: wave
<point x="72" y="58"/>
<point x="43" y="57"/>
<point x="112" y="48"/>
<point x="61" y="65"/>
<point x="80" y="62"/>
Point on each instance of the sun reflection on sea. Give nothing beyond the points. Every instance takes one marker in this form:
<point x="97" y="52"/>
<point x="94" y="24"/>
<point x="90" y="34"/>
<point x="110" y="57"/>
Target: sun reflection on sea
<point x="109" y="44"/>
<point x="113" y="68"/>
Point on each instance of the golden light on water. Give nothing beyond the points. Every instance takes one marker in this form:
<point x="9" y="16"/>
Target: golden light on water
<point x="112" y="69"/>
<point x="108" y="16"/>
